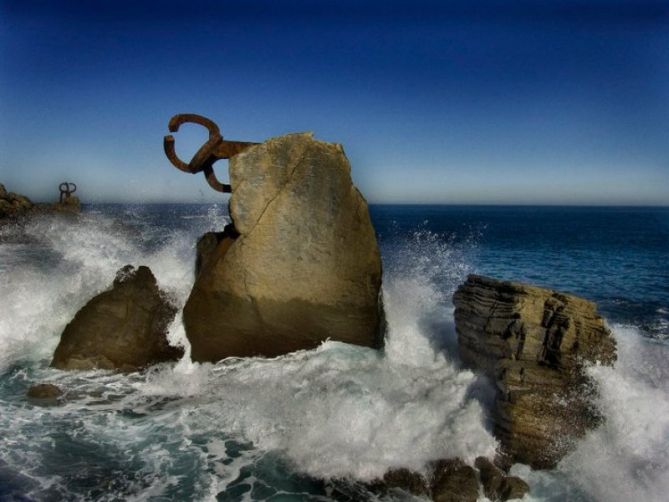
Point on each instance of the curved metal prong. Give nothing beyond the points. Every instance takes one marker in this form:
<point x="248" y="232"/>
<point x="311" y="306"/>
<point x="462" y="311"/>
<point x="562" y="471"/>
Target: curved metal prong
<point x="183" y="118"/>
<point x="170" y="152"/>
<point x="213" y="181"/>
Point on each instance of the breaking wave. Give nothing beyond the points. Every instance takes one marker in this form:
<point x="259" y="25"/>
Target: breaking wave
<point x="301" y="424"/>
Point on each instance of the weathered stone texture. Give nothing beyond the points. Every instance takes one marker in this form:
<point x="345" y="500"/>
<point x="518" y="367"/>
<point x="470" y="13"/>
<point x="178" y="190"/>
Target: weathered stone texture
<point x="123" y="328"/>
<point x="533" y="342"/>
<point x="302" y="264"/>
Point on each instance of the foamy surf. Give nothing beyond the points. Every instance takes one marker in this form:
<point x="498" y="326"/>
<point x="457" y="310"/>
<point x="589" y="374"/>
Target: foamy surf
<point x="303" y="425"/>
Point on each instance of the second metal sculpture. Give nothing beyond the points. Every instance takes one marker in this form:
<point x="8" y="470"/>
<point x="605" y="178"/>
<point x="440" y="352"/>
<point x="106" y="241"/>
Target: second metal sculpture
<point x="66" y="188"/>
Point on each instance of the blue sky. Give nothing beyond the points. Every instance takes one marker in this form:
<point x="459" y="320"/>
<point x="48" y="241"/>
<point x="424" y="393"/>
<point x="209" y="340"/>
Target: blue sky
<point x="545" y="102"/>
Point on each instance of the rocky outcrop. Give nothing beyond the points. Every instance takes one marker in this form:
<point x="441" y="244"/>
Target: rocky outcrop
<point x="44" y="391"/>
<point x="403" y="479"/>
<point x="300" y="264"/>
<point x="497" y="485"/>
<point x="534" y="343"/>
<point x="123" y="328"/>
<point x="452" y="480"/>
<point x="13" y="205"/>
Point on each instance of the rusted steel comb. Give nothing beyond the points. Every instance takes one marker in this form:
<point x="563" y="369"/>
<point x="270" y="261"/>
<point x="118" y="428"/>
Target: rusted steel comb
<point x="215" y="149"/>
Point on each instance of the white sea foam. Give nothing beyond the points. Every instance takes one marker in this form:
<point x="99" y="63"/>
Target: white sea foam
<point x="192" y="430"/>
<point x="627" y="457"/>
<point x="78" y="261"/>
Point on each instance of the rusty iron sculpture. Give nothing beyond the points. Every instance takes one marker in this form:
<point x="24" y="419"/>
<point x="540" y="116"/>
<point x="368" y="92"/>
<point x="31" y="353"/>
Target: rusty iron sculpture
<point x="215" y="149"/>
<point x="66" y="188"/>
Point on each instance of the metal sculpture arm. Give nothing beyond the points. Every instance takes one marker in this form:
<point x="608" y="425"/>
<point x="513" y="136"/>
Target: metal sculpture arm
<point x="215" y="149"/>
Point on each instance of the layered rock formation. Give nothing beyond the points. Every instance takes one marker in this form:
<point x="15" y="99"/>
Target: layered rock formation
<point x="300" y="264"/>
<point x="123" y="328"/>
<point x="533" y="342"/>
<point x="13" y="205"/>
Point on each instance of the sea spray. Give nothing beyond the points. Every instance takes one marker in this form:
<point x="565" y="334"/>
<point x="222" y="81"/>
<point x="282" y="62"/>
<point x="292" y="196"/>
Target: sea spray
<point x="626" y="457"/>
<point x="338" y="411"/>
<point x="254" y="428"/>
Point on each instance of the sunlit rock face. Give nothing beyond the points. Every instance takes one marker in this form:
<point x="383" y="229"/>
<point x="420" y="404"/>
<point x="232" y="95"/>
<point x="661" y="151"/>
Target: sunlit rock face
<point x="300" y="265"/>
<point x="534" y="343"/>
<point x="123" y="328"/>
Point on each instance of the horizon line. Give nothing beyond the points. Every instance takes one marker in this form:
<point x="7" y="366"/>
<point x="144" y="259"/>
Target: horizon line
<point x="423" y="204"/>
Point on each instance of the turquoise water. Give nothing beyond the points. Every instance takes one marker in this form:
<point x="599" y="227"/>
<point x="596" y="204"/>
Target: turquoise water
<point x="312" y="425"/>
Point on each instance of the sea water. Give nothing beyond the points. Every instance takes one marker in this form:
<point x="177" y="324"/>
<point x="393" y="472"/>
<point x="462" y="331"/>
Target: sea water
<point x="315" y="425"/>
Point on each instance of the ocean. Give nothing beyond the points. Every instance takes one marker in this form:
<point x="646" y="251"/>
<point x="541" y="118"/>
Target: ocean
<point x="316" y="425"/>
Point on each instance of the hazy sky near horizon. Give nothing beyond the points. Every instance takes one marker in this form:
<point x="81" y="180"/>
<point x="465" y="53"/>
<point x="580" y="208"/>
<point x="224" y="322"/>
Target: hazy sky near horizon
<point x="552" y="101"/>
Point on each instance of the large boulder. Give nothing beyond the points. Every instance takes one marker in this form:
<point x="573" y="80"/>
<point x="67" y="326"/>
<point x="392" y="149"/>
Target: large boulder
<point x="123" y="328"/>
<point x="299" y="266"/>
<point x="534" y="343"/>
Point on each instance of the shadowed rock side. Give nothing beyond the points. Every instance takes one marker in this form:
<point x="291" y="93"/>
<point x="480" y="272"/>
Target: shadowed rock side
<point x="533" y="342"/>
<point x="300" y="265"/>
<point x="123" y="328"/>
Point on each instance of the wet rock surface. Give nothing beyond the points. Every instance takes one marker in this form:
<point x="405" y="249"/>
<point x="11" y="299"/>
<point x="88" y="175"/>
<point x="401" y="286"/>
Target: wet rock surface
<point x="496" y="484"/>
<point x="533" y="343"/>
<point x="302" y="264"/>
<point x="402" y="479"/>
<point x="123" y="328"/>
<point x="452" y="480"/>
<point x="44" y="391"/>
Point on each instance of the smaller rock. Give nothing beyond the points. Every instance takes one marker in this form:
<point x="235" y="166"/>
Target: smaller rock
<point x="491" y="477"/>
<point x="496" y="484"/>
<point x="513" y="488"/>
<point x="123" y="328"/>
<point x="70" y="204"/>
<point x="44" y="391"/>
<point x="407" y="480"/>
<point x="454" y="481"/>
<point x="3" y="191"/>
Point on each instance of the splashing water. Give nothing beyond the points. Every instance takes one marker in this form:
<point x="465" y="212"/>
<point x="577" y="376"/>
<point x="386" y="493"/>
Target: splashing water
<point x="339" y="411"/>
<point x="297" y="426"/>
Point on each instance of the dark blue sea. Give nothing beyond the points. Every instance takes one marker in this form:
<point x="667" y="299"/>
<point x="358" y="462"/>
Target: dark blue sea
<point x="316" y="425"/>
